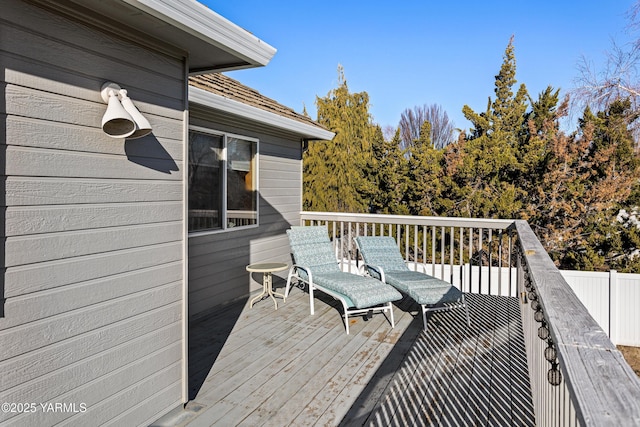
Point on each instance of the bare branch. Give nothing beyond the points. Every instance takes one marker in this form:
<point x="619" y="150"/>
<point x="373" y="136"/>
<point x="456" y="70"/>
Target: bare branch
<point x="411" y="120"/>
<point x="619" y="79"/>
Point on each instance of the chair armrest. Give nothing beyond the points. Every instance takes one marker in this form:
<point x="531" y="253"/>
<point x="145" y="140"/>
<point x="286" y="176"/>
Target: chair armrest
<point x="307" y="270"/>
<point x="377" y="269"/>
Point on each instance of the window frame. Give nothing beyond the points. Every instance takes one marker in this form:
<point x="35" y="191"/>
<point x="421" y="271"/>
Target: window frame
<point x="224" y="164"/>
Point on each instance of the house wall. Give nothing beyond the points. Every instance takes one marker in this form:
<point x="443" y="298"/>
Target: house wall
<point x="92" y="226"/>
<point x="217" y="261"/>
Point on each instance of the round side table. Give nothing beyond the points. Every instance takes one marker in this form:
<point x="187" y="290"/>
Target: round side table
<point x="267" y="268"/>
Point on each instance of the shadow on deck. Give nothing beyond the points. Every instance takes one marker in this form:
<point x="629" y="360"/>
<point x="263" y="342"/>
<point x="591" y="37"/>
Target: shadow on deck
<point x="269" y="367"/>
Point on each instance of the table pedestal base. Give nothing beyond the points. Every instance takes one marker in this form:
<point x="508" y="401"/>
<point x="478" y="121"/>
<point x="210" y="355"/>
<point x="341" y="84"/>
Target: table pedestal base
<point x="267" y="289"/>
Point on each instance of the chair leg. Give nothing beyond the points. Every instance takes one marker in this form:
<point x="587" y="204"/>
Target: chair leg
<point x="466" y="311"/>
<point x="311" y="307"/>
<point x="346" y="320"/>
<point x="289" y="279"/>
<point x="424" y="317"/>
<point x="393" y="324"/>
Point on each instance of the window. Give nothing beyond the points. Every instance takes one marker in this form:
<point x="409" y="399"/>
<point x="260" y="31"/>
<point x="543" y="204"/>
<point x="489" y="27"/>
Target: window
<point x="223" y="190"/>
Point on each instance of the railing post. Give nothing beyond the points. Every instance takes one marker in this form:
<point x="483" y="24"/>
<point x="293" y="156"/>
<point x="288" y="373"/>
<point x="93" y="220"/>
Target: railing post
<point x="614" y="313"/>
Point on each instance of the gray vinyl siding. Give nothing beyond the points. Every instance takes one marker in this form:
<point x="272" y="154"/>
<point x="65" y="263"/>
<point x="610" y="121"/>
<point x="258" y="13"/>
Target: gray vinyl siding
<point x="93" y="226"/>
<point x="217" y="261"/>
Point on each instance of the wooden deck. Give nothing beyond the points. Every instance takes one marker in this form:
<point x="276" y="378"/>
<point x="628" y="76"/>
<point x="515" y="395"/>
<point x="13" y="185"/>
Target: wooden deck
<point x="266" y="367"/>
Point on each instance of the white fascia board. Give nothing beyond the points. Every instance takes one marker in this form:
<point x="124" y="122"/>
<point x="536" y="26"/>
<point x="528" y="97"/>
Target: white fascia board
<point x="231" y="106"/>
<point x="201" y="22"/>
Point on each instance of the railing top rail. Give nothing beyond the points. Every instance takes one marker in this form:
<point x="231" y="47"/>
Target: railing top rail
<point x="605" y="389"/>
<point x="437" y="221"/>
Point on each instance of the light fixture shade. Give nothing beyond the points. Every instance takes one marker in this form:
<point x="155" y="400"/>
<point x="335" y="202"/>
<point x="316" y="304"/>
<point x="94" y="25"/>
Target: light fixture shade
<point x="143" y="127"/>
<point x="116" y="122"/>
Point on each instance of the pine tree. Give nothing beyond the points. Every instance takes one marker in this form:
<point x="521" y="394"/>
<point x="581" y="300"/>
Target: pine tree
<point x="541" y="134"/>
<point x="588" y="177"/>
<point x="425" y="175"/>
<point x="391" y="178"/>
<point x="335" y="172"/>
<point x="484" y="181"/>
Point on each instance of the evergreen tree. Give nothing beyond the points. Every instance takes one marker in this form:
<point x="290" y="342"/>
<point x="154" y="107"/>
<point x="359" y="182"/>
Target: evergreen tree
<point x="372" y="170"/>
<point x="484" y="181"/>
<point x="540" y="136"/>
<point x="587" y="179"/>
<point x="335" y="172"/>
<point x="425" y="175"/>
<point x="580" y="192"/>
<point x="391" y="178"/>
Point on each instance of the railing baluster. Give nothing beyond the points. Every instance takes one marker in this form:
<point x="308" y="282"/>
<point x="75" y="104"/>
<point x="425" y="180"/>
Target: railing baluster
<point x="509" y="263"/>
<point x="442" y="236"/>
<point x="461" y="257"/>
<point x="333" y="238"/>
<point x="451" y="255"/>
<point x="490" y="260"/>
<point x="406" y="244"/>
<point x="424" y="247"/>
<point x="341" y="244"/>
<point x="415" y="246"/>
<point x="480" y="257"/>
<point x="470" y="258"/>
<point x="433" y="250"/>
<point x="350" y="251"/>
<point x="500" y="262"/>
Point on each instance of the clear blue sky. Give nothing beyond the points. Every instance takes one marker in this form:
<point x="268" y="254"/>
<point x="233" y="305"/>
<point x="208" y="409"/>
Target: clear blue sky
<point x="409" y="53"/>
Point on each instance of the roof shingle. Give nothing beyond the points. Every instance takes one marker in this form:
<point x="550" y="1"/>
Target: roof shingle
<point x="227" y="87"/>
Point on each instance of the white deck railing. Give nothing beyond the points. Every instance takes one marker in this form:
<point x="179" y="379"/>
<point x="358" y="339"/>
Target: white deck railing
<point x="470" y="253"/>
<point x="578" y="377"/>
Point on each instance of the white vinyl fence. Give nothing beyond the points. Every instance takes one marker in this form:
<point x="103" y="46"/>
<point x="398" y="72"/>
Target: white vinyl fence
<point x="613" y="299"/>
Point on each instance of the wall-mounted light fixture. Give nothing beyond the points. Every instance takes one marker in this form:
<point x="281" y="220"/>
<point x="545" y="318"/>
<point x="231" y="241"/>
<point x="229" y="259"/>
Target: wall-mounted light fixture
<point x="122" y="119"/>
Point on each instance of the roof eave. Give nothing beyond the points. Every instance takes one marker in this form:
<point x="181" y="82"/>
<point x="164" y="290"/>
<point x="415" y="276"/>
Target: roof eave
<point x="230" y="106"/>
<point x="204" y="24"/>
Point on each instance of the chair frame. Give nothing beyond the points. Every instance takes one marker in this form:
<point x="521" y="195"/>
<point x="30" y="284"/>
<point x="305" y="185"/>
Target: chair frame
<point x="293" y="274"/>
<point x="426" y="308"/>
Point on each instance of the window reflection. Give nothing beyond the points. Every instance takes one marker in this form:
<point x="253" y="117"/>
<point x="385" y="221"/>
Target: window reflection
<point x="218" y="200"/>
<point x="241" y="185"/>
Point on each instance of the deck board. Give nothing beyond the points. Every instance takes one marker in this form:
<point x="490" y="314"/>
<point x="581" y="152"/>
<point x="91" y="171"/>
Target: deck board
<point x="260" y="366"/>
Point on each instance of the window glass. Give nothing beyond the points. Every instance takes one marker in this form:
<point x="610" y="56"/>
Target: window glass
<point x="241" y="183"/>
<point x="205" y="181"/>
<point x="223" y="185"/>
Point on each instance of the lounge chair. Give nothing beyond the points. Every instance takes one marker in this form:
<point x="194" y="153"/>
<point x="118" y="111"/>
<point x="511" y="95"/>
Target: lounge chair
<point x="315" y="264"/>
<point x="383" y="261"/>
